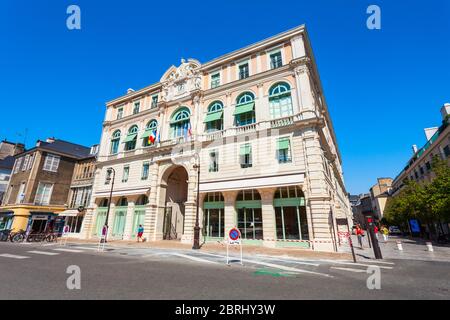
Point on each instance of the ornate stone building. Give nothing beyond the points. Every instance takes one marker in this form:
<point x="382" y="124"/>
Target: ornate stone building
<point x="255" y="121"/>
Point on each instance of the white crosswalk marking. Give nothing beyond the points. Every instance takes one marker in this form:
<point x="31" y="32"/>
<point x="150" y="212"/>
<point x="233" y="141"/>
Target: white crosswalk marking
<point x="192" y="258"/>
<point x="68" y="250"/>
<point x="86" y="248"/>
<point x="357" y="264"/>
<point x="44" y="253"/>
<point x="13" y="256"/>
<point x="349" y="269"/>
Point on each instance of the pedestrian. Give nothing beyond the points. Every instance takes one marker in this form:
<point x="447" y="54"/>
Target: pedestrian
<point x="385" y="232"/>
<point x="140" y="233"/>
<point x="375" y="230"/>
<point x="359" y="233"/>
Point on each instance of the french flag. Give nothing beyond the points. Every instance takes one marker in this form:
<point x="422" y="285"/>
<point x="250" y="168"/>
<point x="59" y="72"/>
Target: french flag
<point x="187" y="130"/>
<point x="152" y="137"/>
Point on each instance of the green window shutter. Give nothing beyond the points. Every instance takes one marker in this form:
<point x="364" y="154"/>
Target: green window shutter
<point x="244" y="108"/>
<point x="147" y="133"/>
<point x="213" y="116"/>
<point x="283" y="143"/>
<point x="130" y="138"/>
<point x="245" y="149"/>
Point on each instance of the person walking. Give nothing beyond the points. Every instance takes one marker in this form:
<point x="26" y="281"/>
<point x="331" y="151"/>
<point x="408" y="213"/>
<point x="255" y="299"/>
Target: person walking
<point x="385" y="232"/>
<point x="359" y="233"/>
<point x="140" y="233"/>
<point x="375" y="230"/>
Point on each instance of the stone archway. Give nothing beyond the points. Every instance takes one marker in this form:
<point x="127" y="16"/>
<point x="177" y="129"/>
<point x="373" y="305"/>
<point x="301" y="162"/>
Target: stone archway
<point x="173" y="196"/>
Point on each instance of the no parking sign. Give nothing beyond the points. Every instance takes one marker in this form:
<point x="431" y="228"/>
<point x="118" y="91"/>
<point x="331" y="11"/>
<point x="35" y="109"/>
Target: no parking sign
<point x="234" y="238"/>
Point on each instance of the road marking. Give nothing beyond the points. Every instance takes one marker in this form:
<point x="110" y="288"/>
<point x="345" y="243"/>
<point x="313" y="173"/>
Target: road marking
<point x="358" y="264"/>
<point x="272" y="265"/>
<point x="293" y="261"/>
<point x="68" y="250"/>
<point x="379" y="262"/>
<point x="349" y="269"/>
<point x="86" y="248"/>
<point x="48" y="244"/>
<point x="44" y="253"/>
<point x="192" y="258"/>
<point x="13" y="256"/>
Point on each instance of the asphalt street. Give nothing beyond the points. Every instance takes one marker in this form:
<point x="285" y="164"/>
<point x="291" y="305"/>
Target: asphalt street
<point x="34" y="271"/>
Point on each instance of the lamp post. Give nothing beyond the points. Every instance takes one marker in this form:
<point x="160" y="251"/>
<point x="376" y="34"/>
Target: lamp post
<point x="196" y="245"/>
<point x="110" y="170"/>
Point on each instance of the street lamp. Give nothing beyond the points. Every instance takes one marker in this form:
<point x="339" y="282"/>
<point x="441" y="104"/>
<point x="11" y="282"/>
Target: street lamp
<point x="196" y="245"/>
<point x="110" y="170"/>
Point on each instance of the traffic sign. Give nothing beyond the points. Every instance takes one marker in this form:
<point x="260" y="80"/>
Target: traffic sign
<point x="234" y="234"/>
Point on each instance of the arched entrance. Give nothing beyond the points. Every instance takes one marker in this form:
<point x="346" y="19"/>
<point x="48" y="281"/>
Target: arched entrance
<point x="173" y="196"/>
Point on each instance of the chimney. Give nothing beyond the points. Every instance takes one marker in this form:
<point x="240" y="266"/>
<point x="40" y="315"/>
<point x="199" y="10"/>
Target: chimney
<point x="38" y="143"/>
<point x="429" y="132"/>
<point x="50" y="140"/>
<point x="130" y="90"/>
<point x="445" y="111"/>
<point x="414" y="148"/>
<point x="19" y="148"/>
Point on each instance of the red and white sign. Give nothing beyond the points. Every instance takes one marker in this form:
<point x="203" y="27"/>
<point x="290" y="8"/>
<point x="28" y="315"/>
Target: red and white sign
<point x="234" y="236"/>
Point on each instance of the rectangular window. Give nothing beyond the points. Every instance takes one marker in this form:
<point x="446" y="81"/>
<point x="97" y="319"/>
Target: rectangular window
<point x="43" y="193"/>
<point x="137" y="106"/>
<point x="108" y="176"/>
<point x="246" y="156"/>
<point x="145" y="170"/>
<point x="80" y="197"/>
<point x="154" y="101"/>
<point x="18" y="165"/>
<point x="25" y="162"/>
<point x="214" y="161"/>
<point x="21" y="193"/>
<point x="126" y="174"/>
<point x="284" y="150"/>
<point x="244" y="71"/>
<point x="447" y="151"/>
<point x="276" y="60"/>
<point x="215" y="80"/>
<point x="119" y="113"/>
<point x="30" y="163"/>
<point x="250" y="223"/>
<point x="51" y="163"/>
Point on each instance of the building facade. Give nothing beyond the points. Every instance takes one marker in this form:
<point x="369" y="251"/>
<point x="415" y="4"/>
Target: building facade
<point x="256" y="125"/>
<point x="379" y="194"/>
<point x="39" y="186"/>
<point x="7" y="152"/>
<point x="418" y="167"/>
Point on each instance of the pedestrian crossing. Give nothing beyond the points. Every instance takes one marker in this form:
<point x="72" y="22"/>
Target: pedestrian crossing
<point x="282" y="264"/>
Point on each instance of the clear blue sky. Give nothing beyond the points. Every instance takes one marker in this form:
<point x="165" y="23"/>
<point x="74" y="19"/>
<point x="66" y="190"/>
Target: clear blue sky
<point x="382" y="87"/>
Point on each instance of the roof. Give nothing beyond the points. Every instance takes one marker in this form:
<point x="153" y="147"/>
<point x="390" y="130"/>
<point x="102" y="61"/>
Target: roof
<point x="7" y="163"/>
<point x="66" y="148"/>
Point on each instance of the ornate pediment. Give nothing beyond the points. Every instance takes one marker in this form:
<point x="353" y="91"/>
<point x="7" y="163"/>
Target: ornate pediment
<point x="181" y="81"/>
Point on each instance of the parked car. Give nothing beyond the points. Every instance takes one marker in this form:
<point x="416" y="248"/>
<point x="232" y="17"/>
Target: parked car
<point x="395" y="230"/>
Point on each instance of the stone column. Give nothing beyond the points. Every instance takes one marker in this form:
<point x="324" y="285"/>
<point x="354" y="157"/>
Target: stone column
<point x="262" y="105"/>
<point x="304" y="91"/>
<point x="268" y="216"/>
<point x="228" y="112"/>
<point x="230" y="210"/>
<point x="112" y="216"/>
<point x="152" y="208"/>
<point x="190" y="208"/>
<point x="128" y="232"/>
<point x="88" y="223"/>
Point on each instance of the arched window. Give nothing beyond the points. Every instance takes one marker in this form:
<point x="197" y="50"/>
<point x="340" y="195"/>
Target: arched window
<point x="280" y="100"/>
<point x="151" y="132"/>
<point x="103" y="203"/>
<point x="142" y="201"/>
<point x="214" y="118"/>
<point x="245" y="109"/>
<point x="123" y="202"/>
<point x="290" y="214"/>
<point x="250" y="223"/>
<point x="180" y="124"/>
<point x="115" y="142"/>
<point x="214" y="215"/>
<point x="130" y="140"/>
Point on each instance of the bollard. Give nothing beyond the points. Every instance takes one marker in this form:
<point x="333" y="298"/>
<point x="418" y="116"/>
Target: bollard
<point x="399" y="245"/>
<point x="430" y="247"/>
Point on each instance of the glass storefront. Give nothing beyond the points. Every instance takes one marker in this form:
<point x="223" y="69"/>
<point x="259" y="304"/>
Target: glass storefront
<point x="6" y="221"/>
<point x="138" y="219"/>
<point x="75" y="223"/>
<point x="100" y="221"/>
<point x="214" y="215"/>
<point x="120" y="217"/>
<point x="249" y="214"/>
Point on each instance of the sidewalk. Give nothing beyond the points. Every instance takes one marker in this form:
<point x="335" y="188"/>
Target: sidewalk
<point x="220" y="248"/>
<point x="413" y="249"/>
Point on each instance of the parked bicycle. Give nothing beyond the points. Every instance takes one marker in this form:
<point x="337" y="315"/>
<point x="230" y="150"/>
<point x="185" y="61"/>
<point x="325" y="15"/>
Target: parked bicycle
<point x="18" y="236"/>
<point x="5" y="235"/>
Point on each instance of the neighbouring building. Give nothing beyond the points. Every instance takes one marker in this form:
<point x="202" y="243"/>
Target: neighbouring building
<point x="379" y="194"/>
<point x="362" y="208"/>
<point x="256" y="124"/>
<point x="39" y="186"/>
<point x="7" y="152"/>
<point x="418" y="167"/>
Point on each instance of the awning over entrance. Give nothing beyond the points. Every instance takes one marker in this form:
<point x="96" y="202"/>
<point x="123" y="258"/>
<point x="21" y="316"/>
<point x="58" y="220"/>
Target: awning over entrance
<point x="69" y="213"/>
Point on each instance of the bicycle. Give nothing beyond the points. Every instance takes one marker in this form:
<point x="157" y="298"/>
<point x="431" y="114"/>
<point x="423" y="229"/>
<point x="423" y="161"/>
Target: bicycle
<point x="5" y="235"/>
<point x="18" y="236"/>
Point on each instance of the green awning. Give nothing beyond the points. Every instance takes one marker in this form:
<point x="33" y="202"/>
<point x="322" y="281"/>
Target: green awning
<point x="130" y="137"/>
<point x="283" y="144"/>
<point x="245" y="149"/>
<point x="147" y="133"/>
<point x="213" y="116"/>
<point x="244" y="108"/>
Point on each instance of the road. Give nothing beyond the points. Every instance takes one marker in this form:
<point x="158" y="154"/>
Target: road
<point x="34" y="271"/>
